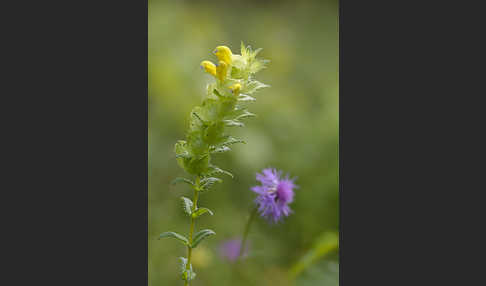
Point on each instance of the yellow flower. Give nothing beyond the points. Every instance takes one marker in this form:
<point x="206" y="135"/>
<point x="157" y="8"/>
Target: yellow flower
<point x="221" y="70"/>
<point x="224" y="54"/>
<point x="235" y="88"/>
<point x="209" y="67"/>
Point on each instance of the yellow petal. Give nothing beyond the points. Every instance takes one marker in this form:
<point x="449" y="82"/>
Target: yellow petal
<point x="224" y="54"/>
<point x="209" y="67"/>
<point x="235" y="88"/>
<point x="221" y="70"/>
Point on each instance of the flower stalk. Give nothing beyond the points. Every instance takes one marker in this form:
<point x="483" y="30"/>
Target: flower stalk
<point x="224" y="106"/>
<point x="246" y="231"/>
<point x="191" y="228"/>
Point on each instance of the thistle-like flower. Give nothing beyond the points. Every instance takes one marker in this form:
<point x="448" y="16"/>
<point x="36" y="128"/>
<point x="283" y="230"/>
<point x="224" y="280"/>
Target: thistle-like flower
<point x="274" y="194"/>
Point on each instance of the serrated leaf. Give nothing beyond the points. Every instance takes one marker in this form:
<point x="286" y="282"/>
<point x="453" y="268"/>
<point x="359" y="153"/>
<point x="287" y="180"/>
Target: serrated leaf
<point x="253" y="86"/>
<point x="199" y="117"/>
<point x="231" y="140"/>
<point x="182" y="180"/>
<point x="255" y="52"/>
<point x="206" y="183"/>
<point x="186" y="274"/>
<point x="221" y="149"/>
<point x="231" y="123"/>
<point x="174" y="235"/>
<point x="183" y="155"/>
<point x="187" y="205"/>
<point x="201" y="211"/>
<point x="243" y="50"/>
<point x="245" y="114"/>
<point x="200" y="235"/>
<point x="245" y="97"/>
<point x="257" y="65"/>
<point x="183" y="264"/>
<point x="216" y="170"/>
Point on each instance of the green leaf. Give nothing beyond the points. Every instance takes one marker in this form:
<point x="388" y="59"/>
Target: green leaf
<point x="174" y="235"/>
<point x="187" y="205"/>
<point x="200" y="235"/>
<point x="243" y="50"/>
<point x="257" y="65"/>
<point x="255" y="52"/>
<point x="253" y="86"/>
<point x="199" y="117"/>
<point x="206" y="183"/>
<point x="221" y="149"/>
<point x="245" y="114"/>
<point x="231" y="140"/>
<point x="216" y="170"/>
<point x="216" y="92"/>
<point x="183" y="264"/>
<point x="187" y="274"/>
<point x="182" y="180"/>
<point x="183" y="155"/>
<point x="231" y="123"/>
<point x="201" y="211"/>
<point x="210" y="179"/>
<point x="244" y="97"/>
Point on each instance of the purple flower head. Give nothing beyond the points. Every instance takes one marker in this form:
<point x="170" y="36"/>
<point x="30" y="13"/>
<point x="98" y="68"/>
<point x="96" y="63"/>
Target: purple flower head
<point x="274" y="194"/>
<point x="230" y="249"/>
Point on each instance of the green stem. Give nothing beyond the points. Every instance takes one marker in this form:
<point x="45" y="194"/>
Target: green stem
<point x="247" y="229"/>
<point x="191" y="230"/>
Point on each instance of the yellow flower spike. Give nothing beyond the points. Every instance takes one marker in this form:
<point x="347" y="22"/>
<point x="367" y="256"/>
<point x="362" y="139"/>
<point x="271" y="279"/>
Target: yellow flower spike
<point x="224" y="54"/>
<point x="235" y="88"/>
<point x="221" y="70"/>
<point x="209" y="67"/>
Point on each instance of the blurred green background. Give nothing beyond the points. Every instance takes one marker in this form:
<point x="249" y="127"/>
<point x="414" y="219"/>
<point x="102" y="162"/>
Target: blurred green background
<point x="296" y="131"/>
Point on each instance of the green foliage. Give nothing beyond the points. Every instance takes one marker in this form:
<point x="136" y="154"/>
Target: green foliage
<point x="187" y="205"/>
<point x="206" y="134"/>
<point x="175" y="235"/>
<point x="183" y="180"/>
<point x="201" y="211"/>
<point x="213" y="170"/>
<point x="186" y="274"/>
<point x="200" y="235"/>
<point x="207" y="182"/>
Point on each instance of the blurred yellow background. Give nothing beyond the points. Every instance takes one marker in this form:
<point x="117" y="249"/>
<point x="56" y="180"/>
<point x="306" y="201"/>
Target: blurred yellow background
<point x="296" y="131"/>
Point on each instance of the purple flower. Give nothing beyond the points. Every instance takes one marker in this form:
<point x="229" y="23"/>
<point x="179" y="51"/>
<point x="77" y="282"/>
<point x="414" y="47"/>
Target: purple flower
<point x="274" y="194"/>
<point x="230" y="249"/>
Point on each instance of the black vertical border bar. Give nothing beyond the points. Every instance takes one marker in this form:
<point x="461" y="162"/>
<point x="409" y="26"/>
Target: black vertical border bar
<point x="79" y="174"/>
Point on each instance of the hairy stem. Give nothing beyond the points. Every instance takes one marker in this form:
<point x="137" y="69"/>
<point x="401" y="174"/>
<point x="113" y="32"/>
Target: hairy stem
<point x="247" y="229"/>
<point x="191" y="230"/>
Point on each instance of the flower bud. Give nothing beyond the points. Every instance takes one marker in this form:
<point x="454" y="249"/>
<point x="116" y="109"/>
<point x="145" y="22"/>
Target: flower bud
<point x="221" y="70"/>
<point x="209" y="67"/>
<point x="235" y="89"/>
<point x="224" y="54"/>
